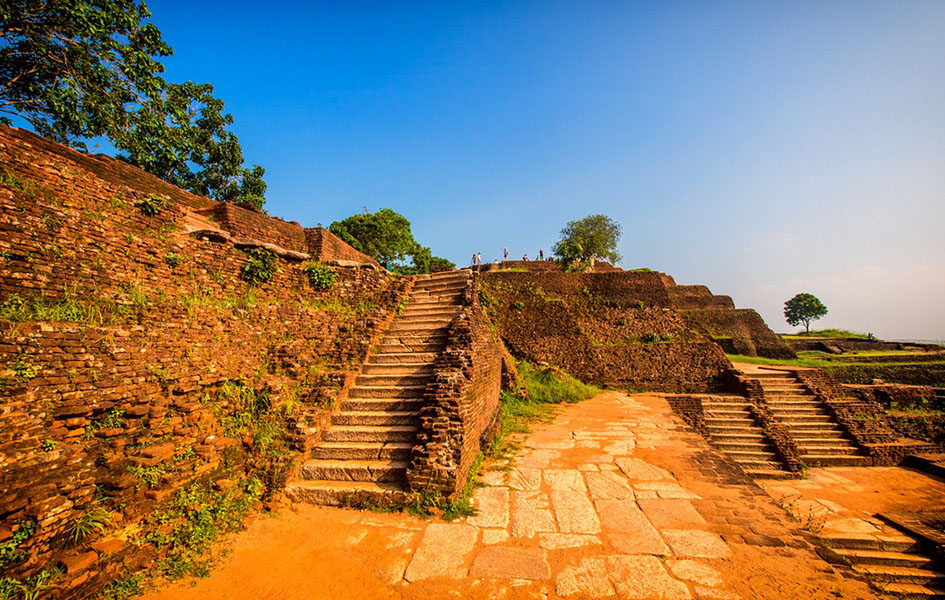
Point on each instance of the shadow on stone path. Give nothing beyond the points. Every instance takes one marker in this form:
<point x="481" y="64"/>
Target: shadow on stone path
<point x="613" y="499"/>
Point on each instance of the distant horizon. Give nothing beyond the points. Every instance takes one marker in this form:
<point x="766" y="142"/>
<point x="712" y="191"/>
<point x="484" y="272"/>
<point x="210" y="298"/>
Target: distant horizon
<point x="761" y="150"/>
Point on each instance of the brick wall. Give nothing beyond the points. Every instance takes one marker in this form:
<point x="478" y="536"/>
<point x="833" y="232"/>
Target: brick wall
<point x="245" y="223"/>
<point x="117" y="333"/>
<point x="461" y="409"/>
<point x="326" y="246"/>
<point x="612" y="328"/>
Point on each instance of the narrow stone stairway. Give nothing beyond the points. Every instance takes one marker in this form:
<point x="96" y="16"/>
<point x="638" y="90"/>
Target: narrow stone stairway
<point x="733" y="429"/>
<point x="819" y="438"/>
<point x="366" y="449"/>
<point x="894" y="563"/>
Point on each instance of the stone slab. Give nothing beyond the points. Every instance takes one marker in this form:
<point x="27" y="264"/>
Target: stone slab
<point x="608" y="485"/>
<point x="631" y="577"/>
<point x="531" y="515"/>
<point x="510" y="563"/>
<point x="695" y="543"/>
<point x="562" y="541"/>
<point x="493" y="506"/>
<point x="564" y="479"/>
<point x="443" y="552"/>
<point x="574" y="512"/>
<point x="674" y="513"/>
<point x="640" y="470"/>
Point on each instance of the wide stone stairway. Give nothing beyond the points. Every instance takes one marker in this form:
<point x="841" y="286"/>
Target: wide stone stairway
<point x="366" y="450"/>
<point x="733" y="429"/>
<point x="819" y="438"/>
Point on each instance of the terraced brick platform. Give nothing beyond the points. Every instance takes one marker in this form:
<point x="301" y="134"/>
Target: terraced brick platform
<point x="366" y="450"/>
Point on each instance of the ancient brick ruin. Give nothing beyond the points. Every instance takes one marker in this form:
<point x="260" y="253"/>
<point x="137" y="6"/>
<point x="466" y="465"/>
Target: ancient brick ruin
<point x="153" y="341"/>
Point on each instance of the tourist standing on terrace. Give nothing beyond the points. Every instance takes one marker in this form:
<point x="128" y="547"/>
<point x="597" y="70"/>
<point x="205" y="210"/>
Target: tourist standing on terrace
<point x="505" y="253"/>
<point x="525" y="257"/>
<point x="541" y="254"/>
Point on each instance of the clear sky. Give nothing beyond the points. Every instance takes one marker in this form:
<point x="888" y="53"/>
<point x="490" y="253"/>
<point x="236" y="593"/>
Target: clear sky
<point x="760" y="148"/>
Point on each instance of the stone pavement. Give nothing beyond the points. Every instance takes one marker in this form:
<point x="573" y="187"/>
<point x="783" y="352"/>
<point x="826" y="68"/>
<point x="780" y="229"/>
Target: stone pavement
<point x="613" y="499"/>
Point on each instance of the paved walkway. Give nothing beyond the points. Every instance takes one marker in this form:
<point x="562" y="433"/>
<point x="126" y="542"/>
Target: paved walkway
<point x="614" y="498"/>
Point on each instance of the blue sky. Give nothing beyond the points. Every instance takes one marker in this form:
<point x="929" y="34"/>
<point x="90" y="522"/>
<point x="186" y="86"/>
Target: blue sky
<point x="760" y="148"/>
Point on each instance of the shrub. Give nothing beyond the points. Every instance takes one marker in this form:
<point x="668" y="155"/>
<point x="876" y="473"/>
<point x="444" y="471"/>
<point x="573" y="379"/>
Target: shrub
<point x="260" y="266"/>
<point x="152" y="205"/>
<point x="518" y="305"/>
<point x="320" y="275"/>
<point x="549" y="385"/>
<point x="649" y="338"/>
<point x="173" y="260"/>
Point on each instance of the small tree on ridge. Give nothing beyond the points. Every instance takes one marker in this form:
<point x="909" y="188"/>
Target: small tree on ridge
<point x="803" y="308"/>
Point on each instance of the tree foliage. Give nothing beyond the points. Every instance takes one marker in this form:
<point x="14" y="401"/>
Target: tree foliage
<point x="803" y="308"/>
<point x="593" y="236"/>
<point x="386" y="236"/>
<point x="77" y="70"/>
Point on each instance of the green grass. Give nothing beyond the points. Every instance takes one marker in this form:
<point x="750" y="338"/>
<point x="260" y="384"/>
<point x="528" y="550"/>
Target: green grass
<point x="827" y="333"/>
<point x="547" y="388"/>
<point x="818" y="360"/>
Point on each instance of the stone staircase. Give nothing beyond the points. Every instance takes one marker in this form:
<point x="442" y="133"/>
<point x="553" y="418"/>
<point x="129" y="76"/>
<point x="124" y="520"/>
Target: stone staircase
<point x="819" y="438"/>
<point x="733" y="429"/>
<point x="894" y="563"/>
<point x="366" y="450"/>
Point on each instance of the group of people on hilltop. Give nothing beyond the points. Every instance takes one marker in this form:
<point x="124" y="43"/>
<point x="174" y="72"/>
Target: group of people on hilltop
<point x="477" y="257"/>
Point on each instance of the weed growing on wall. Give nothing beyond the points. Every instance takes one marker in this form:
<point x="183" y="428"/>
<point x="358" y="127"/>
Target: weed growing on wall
<point x="10" y="552"/>
<point x="184" y="529"/>
<point x="152" y="205"/>
<point x="30" y="588"/>
<point x="260" y="266"/>
<point x="320" y="275"/>
<point x="93" y="520"/>
<point x="173" y="260"/>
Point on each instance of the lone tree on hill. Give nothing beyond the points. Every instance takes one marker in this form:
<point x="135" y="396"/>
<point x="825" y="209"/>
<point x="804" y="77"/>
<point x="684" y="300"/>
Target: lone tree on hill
<point x="593" y="236"/>
<point x="385" y="235"/>
<point x="803" y="308"/>
<point x="80" y="70"/>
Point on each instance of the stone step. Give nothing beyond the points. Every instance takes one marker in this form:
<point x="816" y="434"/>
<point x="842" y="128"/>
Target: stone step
<point x="807" y="409"/>
<point x="731" y="447"/>
<point x="354" y="470"/>
<point x="769" y="473"/>
<point x="834" y="460"/>
<point x="801" y="418"/>
<point x="409" y="347"/>
<point x="738" y="438"/>
<point x="392" y="358"/>
<point x="901" y="574"/>
<point x="730" y="429"/>
<point x="341" y="493"/>
<point x="912" y="591"/>
<point x="396" y="433"/>
<point x="752" y="455"/>
<point x="413" y="337"/>
<point x="418" y="327"/>
<point x="815" y="430"/>
<point x="381" y="417"/>
<point x="706" y="406"/>
<point x="443" y="297"/>
<point x="362" y="451"/>
<point x="894" y="543"/>
<point x="883" y="557"/>
<point x="433" y="315"/>
<point x="759" y="464"/>
<point x="395" y="379"/>
<point x="382" y="404"/>
<point x="729" y="421"/>
<point x="822" y="450"/>
<point x="387" y="391"/>
<point x="782" y="387"/>
<point x="398" y="368"/>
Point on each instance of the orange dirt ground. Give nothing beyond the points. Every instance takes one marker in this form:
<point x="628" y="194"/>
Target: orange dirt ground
<point x="710" y="533"/>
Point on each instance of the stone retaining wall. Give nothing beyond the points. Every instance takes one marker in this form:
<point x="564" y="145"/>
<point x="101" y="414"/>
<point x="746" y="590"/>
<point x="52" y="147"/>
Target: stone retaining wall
<point x="461" y="404"/>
